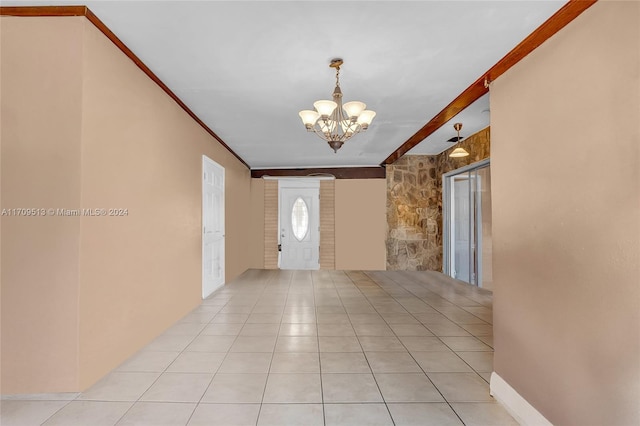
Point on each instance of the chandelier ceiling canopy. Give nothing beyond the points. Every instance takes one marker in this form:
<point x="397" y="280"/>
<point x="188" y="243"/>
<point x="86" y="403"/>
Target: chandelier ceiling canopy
<point x="336" y="122"/>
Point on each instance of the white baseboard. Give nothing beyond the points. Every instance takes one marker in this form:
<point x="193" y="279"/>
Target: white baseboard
<point x="515" y="404"/>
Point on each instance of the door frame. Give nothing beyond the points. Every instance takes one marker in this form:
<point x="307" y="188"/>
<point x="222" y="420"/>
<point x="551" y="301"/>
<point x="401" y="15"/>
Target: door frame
<point x="448" y="226"/>
<point x="210" y="162"/>
<point x="299" y="183"/>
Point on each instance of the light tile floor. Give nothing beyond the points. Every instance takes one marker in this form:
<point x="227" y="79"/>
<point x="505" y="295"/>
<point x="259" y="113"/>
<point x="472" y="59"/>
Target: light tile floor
<point x="302" y="348"/>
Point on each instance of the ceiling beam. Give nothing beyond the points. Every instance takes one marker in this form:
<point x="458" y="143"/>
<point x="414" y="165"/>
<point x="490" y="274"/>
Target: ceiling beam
<point x="555" y="23"/>
<point x="84" y="11"/>
<point x="43" y="10"/>
<point x="337" y="172"/>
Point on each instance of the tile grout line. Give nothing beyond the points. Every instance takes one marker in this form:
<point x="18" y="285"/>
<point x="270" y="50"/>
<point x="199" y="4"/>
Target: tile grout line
<point x="315" y="310"/>
<point x="266" y="382"/>
<point x="425" y="373"/>
<point x="367" y="290"/>
<point x="157" y="378"/>
<point x="407" y="349"/>
<point x="443" y="342"/>
<point x="384" y="401"/>
<point x="223" y="359"/>
<point x="58" y="410"/>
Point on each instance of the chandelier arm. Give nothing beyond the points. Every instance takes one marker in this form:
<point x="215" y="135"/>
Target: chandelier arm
<point x="356" y="127"/>
<point x="332" y="136"/>
<point x="318" y="132"/>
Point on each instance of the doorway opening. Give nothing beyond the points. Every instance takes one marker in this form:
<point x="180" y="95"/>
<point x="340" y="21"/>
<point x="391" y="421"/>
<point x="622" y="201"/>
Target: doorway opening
<point x="299" y="223"/>
<point x="467" y="224"/>
<point x="213" y="233"/>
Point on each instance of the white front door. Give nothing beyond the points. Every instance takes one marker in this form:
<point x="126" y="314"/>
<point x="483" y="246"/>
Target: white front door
<point x="299" y="224"/>
<point x="212" y="226"/>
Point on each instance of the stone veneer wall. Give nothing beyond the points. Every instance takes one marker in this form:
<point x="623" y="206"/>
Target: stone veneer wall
<point x="414" y="204"/>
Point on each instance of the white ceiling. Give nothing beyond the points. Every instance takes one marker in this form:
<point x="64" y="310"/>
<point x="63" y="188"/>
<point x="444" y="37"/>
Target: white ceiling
<point x="473" y="118"/>
<point x="247" y="68"/>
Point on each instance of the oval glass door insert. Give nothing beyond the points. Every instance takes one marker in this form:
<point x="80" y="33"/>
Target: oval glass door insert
<point x="300" y="219"/>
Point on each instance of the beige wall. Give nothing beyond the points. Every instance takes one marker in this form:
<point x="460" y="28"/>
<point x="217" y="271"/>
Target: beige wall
<point x="40" y="148"/>
<point x="142" y="151"/>
<point x="566" y="221"/>
<point x="133" y="148"/>
<point x="360" y="224"/>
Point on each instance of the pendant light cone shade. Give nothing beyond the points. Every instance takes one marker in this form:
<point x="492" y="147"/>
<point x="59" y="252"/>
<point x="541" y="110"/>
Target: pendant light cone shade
<point x="309" y="117"/>
<point x="354" y="108"/>
<point x="334" y="121"/>
<point x="324" y="108"/>
<point x="459" y="152"/>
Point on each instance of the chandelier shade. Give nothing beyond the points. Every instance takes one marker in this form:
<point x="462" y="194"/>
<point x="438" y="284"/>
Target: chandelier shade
<point x="354" y="108"/>
<point x="309" y="117"/>
<point x="334" y="121"/>
<point x="325" y="108"/>
<point x="365" y="118"/>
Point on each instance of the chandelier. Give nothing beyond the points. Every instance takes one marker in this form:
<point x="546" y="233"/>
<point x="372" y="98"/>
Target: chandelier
<point x="333" y="121"/>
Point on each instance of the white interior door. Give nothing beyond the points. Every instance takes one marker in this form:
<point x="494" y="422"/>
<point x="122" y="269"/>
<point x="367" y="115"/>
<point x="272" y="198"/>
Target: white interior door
<point x="299" y="224"/>
<point x="212" y="226"/>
